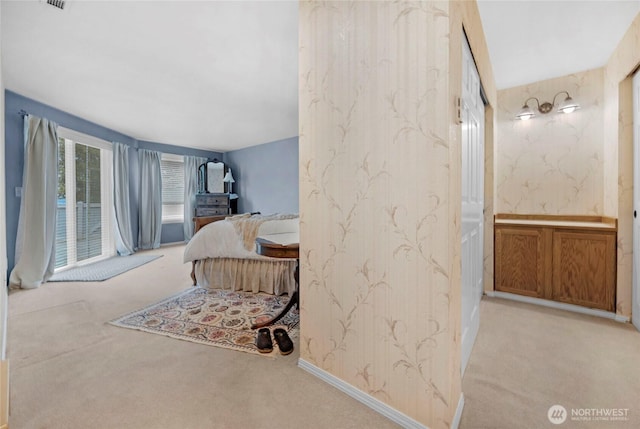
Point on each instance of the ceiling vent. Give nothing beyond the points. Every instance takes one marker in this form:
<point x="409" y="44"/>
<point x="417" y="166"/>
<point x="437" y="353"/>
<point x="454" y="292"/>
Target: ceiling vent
<point x="57" y="3"/>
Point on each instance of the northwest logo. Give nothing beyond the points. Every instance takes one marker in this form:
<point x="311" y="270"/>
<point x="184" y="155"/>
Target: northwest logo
<point x="557" y="414"/>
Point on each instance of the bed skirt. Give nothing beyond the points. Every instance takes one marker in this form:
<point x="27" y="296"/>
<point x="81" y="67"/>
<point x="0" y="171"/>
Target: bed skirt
<point x="273" y="276"/>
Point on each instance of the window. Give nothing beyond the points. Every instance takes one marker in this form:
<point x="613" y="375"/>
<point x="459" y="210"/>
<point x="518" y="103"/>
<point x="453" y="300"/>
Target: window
<point x="85" y="200"/>
<point x="172" y="168"/>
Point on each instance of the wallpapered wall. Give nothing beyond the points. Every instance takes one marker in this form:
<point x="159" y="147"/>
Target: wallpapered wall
<point x="618" y="140"/>
<point x="587" y="179"/>
<point x="553" y="163"/>
<point x="380" y="199"/>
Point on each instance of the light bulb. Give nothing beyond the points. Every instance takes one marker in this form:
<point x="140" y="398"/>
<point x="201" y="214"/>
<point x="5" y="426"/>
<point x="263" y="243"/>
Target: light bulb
<point x="525" y="113"/>
<point x="568" y="105"/>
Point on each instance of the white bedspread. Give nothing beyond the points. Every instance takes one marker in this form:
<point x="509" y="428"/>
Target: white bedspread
<point x="221" y="239"/>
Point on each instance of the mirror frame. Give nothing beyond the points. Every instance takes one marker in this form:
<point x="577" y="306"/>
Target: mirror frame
<point x="203" y="179"/>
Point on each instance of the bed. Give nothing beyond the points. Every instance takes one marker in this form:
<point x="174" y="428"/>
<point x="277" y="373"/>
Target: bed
<point x="223" y="253"/>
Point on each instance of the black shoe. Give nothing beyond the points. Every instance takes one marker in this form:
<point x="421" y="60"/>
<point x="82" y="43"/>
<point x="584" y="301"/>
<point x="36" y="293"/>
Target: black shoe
<point x="263" y="341"/>
<point x="284" y="342"/>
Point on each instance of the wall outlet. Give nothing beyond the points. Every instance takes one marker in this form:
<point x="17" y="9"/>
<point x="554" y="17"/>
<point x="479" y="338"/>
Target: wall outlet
<point x="19" y="192"/>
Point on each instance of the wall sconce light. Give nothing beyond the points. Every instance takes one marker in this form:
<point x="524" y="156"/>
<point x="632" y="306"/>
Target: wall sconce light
<point x="567" y="106"/>
<point x="228" y="178"/>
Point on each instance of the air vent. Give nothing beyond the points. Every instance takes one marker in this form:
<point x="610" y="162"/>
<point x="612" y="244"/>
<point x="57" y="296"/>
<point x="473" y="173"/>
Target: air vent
<point x="57" y="3"/>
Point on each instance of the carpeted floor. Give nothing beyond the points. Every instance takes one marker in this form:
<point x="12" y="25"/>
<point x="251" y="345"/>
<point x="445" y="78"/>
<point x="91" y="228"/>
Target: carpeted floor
<point x="213" y="317"/>
<point x="528" y="358"/>
<point x="103" y="270"/>
<point x="70" y="369"/>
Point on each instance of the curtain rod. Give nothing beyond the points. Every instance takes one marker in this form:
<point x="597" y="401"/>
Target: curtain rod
<point x="22" y="112"/>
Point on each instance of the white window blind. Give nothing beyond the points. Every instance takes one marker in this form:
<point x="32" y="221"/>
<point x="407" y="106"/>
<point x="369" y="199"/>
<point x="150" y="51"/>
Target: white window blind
<point x="172" y="169"/>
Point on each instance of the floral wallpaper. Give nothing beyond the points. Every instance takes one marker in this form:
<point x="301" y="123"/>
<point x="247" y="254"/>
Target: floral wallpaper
<point x="380" y="199"/>
<point x="579" y="163"/>
<point x="625" y="199"/>
<point x="618" y="140"/>
<point x="553" y="163"/>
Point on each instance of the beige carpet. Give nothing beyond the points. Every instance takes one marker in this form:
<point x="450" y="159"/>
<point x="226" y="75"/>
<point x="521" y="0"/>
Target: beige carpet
<point x="70" y="369"/>
<point x="528" y="358"/>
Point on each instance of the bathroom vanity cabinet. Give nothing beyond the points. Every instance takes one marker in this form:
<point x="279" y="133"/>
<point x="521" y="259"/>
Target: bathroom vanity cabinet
<point x="570" y="259"/>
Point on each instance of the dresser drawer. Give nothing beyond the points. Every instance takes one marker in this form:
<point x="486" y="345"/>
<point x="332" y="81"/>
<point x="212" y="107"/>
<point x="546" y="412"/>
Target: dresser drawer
<point x="212" y="200"/>
<point x="211" y="211"/>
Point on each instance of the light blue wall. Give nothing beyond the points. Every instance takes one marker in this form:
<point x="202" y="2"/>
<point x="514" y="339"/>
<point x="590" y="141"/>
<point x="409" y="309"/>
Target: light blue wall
<point x="14" y="159"/>
<point x="266" y="177"/>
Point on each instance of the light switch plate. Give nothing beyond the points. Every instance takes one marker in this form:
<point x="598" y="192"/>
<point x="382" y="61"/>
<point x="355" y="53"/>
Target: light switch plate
<point x="19" y="191"/>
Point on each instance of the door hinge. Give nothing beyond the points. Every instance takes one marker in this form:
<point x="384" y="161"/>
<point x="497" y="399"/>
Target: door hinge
<point x="458" y="110"/>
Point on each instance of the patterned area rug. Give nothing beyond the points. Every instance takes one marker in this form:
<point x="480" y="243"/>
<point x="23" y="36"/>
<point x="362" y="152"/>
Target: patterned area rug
<point x="103" y="270"/>
<point x="214" y="317"/>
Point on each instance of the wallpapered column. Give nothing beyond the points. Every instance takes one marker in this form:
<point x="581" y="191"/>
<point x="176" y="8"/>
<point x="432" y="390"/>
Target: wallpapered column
<point x="624" y="153"/>
<point x="379" y="215"/>
<point x="618" y="142"/>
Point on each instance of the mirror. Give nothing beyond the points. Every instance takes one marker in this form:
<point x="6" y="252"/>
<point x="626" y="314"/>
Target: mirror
<point x="215" y="175"/>
<point x="210" y="177"/>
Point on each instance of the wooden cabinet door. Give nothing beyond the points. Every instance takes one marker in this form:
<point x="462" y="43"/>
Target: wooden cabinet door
<point x="584" y="268"/>
<point x="520" y="260"/>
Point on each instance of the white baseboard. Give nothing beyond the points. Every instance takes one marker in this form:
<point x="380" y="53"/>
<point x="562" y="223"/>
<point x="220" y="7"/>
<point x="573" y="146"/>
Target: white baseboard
<point x="173" y="243"/>
<point x="622" y="319"/>
<point x="375" y="404"/>
<point x="458" y="415"/>
<point x="4" y="394"/>
<point x="558" y="305"/>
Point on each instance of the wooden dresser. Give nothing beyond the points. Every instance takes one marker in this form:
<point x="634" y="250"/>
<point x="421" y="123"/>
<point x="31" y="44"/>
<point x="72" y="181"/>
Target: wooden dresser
<point x="570" y="259"/>
<point x="212" y="204"/>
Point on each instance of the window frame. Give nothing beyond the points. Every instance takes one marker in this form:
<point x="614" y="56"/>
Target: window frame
<point x="174" y="217"/>
<point x="108" y="243"/>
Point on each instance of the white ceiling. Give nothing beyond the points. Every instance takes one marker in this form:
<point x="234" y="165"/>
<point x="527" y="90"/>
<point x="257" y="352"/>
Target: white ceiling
<point x="223" y="75"/>
<point x="533" y="40"/>
<point x="209" y="74"/>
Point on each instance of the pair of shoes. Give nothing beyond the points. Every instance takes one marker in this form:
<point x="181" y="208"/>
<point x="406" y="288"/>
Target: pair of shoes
<point x="263" y="341"/>
<point x="284" y="342"/>
<point x="264" y="344"/>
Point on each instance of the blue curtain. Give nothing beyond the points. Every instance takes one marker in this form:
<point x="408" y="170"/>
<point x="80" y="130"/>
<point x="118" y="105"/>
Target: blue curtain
<point x="35" y="240"/>
<point x="124" y="231"/>
<point x="191" y="164"/>
<point x="150" y="208"/>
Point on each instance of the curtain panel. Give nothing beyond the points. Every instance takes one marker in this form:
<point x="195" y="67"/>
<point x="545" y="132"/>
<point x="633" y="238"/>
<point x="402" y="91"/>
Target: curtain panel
<point x="124" y="230"/>
<point x="35" y="239"/>
<point x="150" y="207"/>
<point x="191" y="164"/>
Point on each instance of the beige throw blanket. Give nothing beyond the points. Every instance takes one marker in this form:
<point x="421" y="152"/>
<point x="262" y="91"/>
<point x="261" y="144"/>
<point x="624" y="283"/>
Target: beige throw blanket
<point x="247" y="225"/>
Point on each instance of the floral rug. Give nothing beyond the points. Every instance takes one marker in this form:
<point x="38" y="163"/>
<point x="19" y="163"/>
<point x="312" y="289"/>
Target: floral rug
<point x="214" y="317"/>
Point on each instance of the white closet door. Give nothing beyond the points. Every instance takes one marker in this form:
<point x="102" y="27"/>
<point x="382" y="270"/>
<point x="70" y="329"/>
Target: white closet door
<point x="472" y="202"/>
